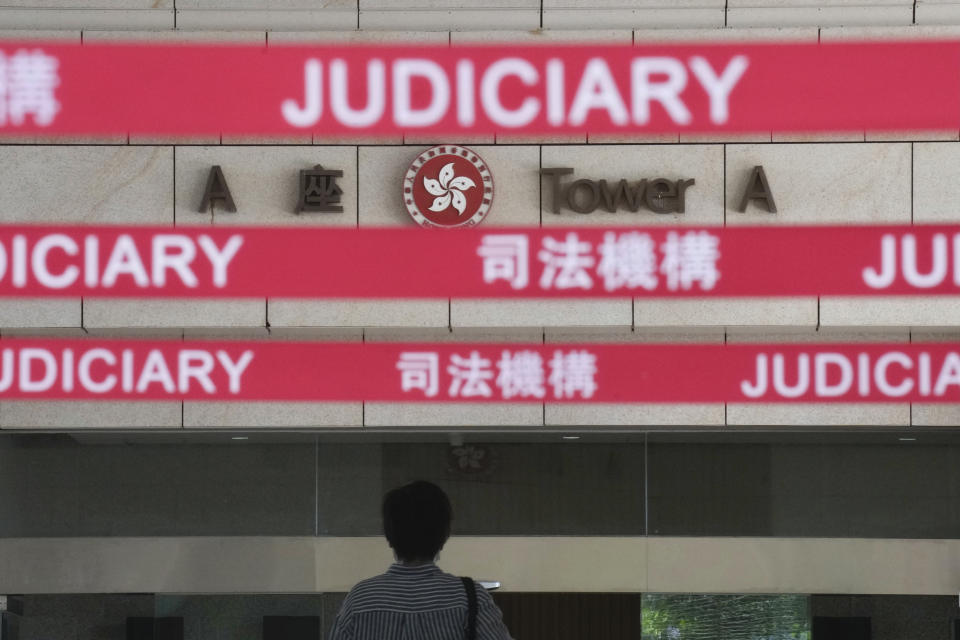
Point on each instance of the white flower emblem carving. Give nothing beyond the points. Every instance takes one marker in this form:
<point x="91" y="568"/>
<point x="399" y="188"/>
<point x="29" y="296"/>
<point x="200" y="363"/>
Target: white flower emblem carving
<point x="448" y="190"/>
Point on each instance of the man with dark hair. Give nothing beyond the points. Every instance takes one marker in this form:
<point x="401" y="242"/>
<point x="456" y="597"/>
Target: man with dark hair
<point x="414" y="599"/>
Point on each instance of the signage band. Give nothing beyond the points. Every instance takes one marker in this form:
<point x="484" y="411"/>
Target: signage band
<point x="397" y="372"/>
<point x="371" y="90"/>
<point x="492" y="262"/>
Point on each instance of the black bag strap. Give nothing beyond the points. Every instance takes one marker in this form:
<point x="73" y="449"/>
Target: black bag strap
<point x="471" y="607"/>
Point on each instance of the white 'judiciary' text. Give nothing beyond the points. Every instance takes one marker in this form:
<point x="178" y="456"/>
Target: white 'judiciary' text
<point x="170" y="256"/>
<point x="100" y="370"/>
<point x="893" y="374"/>
<point x="652" y="79"/>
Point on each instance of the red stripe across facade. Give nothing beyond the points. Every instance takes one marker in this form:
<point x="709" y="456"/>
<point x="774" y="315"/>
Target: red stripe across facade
<point x="485" y="262"/>
<point x="94" y="369"/>
<point x="367" y="90"/>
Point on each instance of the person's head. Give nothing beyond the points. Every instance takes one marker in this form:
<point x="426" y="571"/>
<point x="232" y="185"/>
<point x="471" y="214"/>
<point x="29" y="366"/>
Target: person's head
<point x="416" y="521"/>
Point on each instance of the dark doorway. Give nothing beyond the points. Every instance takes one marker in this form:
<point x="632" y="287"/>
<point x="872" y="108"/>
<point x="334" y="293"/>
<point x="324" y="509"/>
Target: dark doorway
<point x="571" y="616"/>
<point x="149" y="628"/>
<point x="291" y="628"/>
<point x="829" y="628"/>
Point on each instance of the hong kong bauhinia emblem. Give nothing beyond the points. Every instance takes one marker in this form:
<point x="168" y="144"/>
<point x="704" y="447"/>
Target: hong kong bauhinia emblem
<point x="448" y="186"/>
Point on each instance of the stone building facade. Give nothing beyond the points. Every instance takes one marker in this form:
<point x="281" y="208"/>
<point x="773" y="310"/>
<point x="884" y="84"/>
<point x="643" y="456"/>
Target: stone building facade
<point x="163" y="498"/>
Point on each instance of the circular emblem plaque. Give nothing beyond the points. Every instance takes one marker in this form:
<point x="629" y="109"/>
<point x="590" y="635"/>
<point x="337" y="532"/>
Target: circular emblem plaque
<point x="448" y="186"/>
<point x="474" y="460"/>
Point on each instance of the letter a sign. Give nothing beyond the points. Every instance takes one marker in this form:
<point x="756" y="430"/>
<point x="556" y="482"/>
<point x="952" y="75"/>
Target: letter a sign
<point x="217" y="189"/>
<point x="758" y="189"/>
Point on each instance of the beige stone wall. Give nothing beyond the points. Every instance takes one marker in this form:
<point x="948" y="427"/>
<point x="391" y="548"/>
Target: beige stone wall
<point x="467" y="15"/>
<point x="855" y="177"/>
<point x="162" y="184"/>
<point x="540" y="564"/>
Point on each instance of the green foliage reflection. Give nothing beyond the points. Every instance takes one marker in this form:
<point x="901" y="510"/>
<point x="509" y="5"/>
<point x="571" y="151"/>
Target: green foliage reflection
<point x="730" y="617"/>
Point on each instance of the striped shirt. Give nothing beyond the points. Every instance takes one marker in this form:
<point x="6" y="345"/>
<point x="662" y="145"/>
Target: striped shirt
<point x="415" y="603"/>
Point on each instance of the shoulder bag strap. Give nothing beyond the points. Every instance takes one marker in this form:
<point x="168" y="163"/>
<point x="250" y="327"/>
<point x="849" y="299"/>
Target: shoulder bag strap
<point x="471" y="607"/>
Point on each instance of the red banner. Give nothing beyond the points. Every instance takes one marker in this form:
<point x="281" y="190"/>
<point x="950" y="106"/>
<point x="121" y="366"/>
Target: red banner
<point x="350" y="90"/>
<point x="538" y="262"/>
<point x="273" y="370"/>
